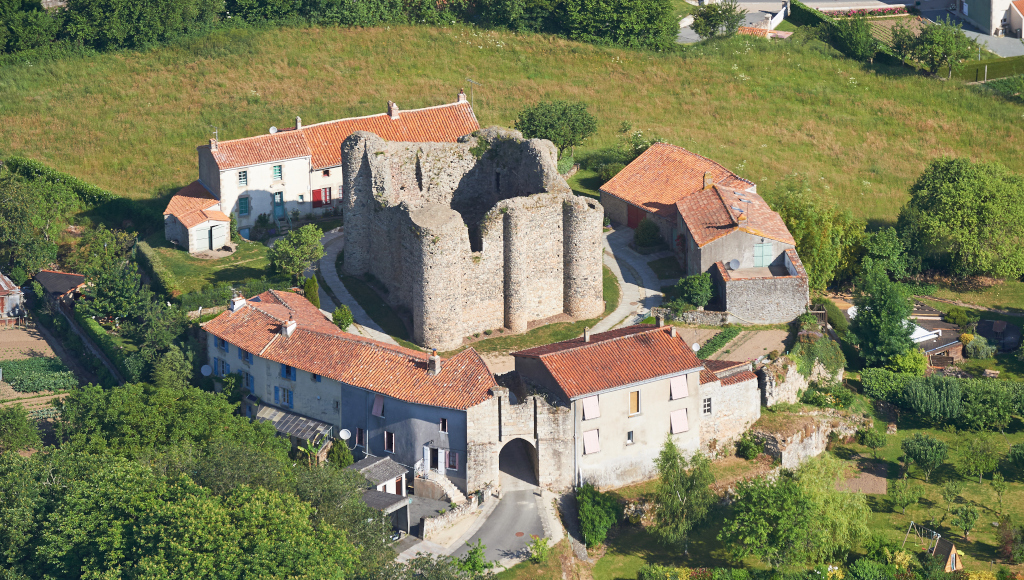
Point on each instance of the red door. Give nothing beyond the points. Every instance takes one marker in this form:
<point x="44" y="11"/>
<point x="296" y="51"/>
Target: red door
<point x="318" y="199"/>
<point x="634" y="216"/>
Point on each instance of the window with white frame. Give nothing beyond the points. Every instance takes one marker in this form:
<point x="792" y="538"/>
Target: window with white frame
<point x="634" y="403"/>
<point x="705" y="406"/>
<point x="284" y="397"/>
<point x="277" y="173"/>
<point x="327" y="194"/>
<point x="389" y="442"/>
<point x="452" y="459"/>
<point x="629" y="437"/>
<point x="243" y="178"/>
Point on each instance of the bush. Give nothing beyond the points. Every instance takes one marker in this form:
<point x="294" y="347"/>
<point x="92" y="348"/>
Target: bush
<point x="749" y="446"/>
<point x="36" y="171"/>
<point x="99" y="336"/>
<point x="911" y="362"/>
<point x="853" y="38"/>
<point x="647" y="234"/>
<point x="679" y="306"/>
<point x="829" y="395"/>
<point x="161" y="280"/>
<point x="1016" y="456"/>
<point x="539" y="550"/>
<point x="17" y="431"/>
<point x="32" y="375"/>
<point x="961" y="316"/>
<point x="696" y="289"/>
<point x="823" y="350"/>
<point x="609" y="170"/>
<point x="207" y="297"/>
<point x="342" y="317"/>
<point x="835" y="316"/>
<point x="311" y="289"/>
<point x="883" y="384"/>
<point x="339" y="455"/>
<point x="598" y="513"/>
<point x="979" y="348"/>
<point x="718" y="341"/>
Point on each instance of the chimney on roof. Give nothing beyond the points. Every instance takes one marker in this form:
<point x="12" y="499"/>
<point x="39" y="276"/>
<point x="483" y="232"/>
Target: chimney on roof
<point x="288" y="328"/>
<point x="462" y="96"/>
<point x="236" y="303"/>
<point x="434" y="364"/>
<point x="673" y="331"/>
<point x="393" y="111"/>
<point x="298" y="122"/>
<point x="709" y="179"/>
<point x="586" y="334"/>
<point x="660" y="320"/>
<point x="213" y="144"/>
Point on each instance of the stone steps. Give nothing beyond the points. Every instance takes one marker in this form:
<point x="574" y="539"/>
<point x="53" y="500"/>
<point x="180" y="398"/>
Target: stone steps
<point x="453" y="493"/>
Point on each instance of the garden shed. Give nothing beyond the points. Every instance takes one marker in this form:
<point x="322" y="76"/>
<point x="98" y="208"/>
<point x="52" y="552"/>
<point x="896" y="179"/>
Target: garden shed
<point x="193" y="220"/>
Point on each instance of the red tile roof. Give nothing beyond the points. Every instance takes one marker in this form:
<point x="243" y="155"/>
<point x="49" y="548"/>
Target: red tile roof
<point x="7" y="287"/>
<point x="613" y="359"/>
<point x="194" y="205"/>
<point x="663" y="175"/>
<point x="712" y="213"/>
<point x="318" y="346"/>
<point x="753" y="31"/>
<point x="321" y="142"/>
<point x="739" y="378"/>
<point x="707" y="376"/>
<point x="1019" y="5"/>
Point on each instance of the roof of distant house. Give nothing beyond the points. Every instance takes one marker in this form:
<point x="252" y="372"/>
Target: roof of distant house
<point x="318" y="346"/>
<point x="383" y="501"/>
<point x="321" y="142"/>
<point x="7" y="286"/>
<point x="55" y="282"/>
<point x="753" y="31"/>
<point x="294" y="424"/>
<point x="194" y="205"/>
<point x="615" y="358"/>
<point x="377" y="470"/>
<point x="1019" y="5"/>
<point x="664" y="174"/>
<point x="718" y="211"/>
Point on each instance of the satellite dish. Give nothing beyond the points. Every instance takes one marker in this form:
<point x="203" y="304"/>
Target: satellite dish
<point x="345" y="434"/>
<point x="696" y="346"/>
<point x="734" y="264"/>
<point x="273" y="130"/>
<point x="207" y="370"/>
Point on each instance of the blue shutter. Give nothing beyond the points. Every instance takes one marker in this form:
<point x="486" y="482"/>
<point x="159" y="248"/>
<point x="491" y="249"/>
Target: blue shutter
<point x="251" y="384"/>
<point x="216" y="365"/>
<point x="227" y="369"/>
<point x="294" y="373"/>
<point x="227" y="347"/>
<point x="277" y="394"/>
<point x="284" y="371"/>
<point x="239" y="354"/>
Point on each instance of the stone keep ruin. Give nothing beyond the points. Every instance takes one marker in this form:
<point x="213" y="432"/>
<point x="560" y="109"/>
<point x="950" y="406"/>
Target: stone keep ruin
<point x="470" y="236"/>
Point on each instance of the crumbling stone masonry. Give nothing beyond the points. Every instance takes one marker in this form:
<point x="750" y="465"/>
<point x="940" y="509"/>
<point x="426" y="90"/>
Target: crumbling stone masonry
<point x="470" y="236"/>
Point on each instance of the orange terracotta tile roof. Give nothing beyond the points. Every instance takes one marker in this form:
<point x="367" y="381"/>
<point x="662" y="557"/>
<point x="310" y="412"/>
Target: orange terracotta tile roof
<point x="318" y="346"/>
<point x="321" y="142"/>
<point x="739" y="378"/>
<point x="753" y="31"/>
<point x="722" y="365"/>
<point x="663" y="175"/>
<point x="194" y="205"/>
<point x="1019" y="5"/>
<point x="614" y="359"/>
<point x="707" y="376"/>
<point x="714" y="212"/>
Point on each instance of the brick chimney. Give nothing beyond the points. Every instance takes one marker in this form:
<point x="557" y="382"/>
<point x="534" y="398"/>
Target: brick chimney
<point x="298" y="122"/>
<point x="213" y="144"/>
<point x="586" y="334"/>
<point x="462" y="96"/>
<point x="236" y="303"/>
<point x="434" y="364"/>
<point x="288" y="328"/>
<point x="393" y="111"/>
<point x="709" y="179"/>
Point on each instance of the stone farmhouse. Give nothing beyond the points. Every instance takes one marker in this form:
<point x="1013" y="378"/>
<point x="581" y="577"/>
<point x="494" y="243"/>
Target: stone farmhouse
<point x="297" y="168"/>
<point x="627" y="389"/>
<point x="715" y="222"/>
<point x="470" y="236"/>
<point x="596" y="408"/>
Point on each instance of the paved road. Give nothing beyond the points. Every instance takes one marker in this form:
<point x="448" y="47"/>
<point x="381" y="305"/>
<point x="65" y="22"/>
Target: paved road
<point x="515" y="514"/>
<point x="1001" y="45"/>
<point x="640" y="288"/>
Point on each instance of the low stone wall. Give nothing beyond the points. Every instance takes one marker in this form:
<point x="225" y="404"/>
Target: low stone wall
<point x="781" y="382"/>
<point x="431" y="527"/>
<point x="428" y="489"/>
<point x="809" y="439"/>
<point x="703" y="317"/>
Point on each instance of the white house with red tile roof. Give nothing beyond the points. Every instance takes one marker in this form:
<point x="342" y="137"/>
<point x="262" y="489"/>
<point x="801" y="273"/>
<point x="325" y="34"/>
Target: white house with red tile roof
<point x="300" y="369"/>
<point x="299" y="168"/>
<point x="629" y="388"/>
<point x="715" y="222"/>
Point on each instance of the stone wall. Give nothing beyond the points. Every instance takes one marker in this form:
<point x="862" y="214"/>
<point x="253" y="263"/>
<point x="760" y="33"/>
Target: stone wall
<point x="736" y="406"/>
<point x="809" y="438"/>
<point x="431" y="527"/>
<point x="702" y="317"/>
<point x="781" y="382"/>
<point x="768" y="300"/>
<point x="470" y="236"/>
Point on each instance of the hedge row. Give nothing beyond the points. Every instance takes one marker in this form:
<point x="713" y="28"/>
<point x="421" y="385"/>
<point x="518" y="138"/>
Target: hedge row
<point x="99" y="335"/>
<point x="801" y="14"/>
<point x="162" y="281"/>
<point x="718" y="341"/>
<point x="32" y="375"/>
<point x="89" y="194"/>
<point x="997" y="69"/>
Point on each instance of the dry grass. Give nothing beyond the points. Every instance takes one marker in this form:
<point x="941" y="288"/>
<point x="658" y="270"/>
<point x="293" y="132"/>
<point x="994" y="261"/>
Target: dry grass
<point x="130" y="122"/>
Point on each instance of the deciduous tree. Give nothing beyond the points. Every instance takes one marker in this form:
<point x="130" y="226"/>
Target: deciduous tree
<point x="903" y="494"/>
<point x="311" y="289"/>
<point x="964" y="518"/>
<point x="684" y="494"/>
<point x="880" y="324"/>
<point x="17" y="431"/>
<point x="564" y="123"/>
<point x="978" y="455"/>
<point x="926" y="452"/>
<point x="713" y="20"/>
<point x="944" y="45"/>
<point x="297" y="251"/>
<point x="770" y="521"/>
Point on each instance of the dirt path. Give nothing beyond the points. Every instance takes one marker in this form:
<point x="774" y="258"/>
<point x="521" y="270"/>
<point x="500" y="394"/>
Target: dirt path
<point x="972" y="306"/>
<point x="870" y="478"/>
<point x="749" y="345"/>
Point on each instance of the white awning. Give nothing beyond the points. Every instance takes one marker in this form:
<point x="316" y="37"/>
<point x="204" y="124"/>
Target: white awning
<point x="591" y="408"/>
<point x="590" y="442"/>
<point x="679" y="388"/>
<point x="680" y="423"/>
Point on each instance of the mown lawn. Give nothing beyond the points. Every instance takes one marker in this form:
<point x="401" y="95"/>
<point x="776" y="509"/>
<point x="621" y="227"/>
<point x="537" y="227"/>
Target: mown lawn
<point x="1008" y="295"/>
<point x="191" y="273"/>
<point x="130" y="121"/>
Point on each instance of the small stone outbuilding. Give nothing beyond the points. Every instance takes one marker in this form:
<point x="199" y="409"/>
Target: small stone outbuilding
<point x="11" y="298"/>
<point x="193" y="220"/>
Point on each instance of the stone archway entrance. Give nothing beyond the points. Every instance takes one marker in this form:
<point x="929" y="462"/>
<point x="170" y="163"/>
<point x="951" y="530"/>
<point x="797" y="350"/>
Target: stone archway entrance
<point x="517" y="464"/>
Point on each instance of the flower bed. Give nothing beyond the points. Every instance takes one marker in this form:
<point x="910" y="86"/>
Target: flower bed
<point x="892" y="11"/>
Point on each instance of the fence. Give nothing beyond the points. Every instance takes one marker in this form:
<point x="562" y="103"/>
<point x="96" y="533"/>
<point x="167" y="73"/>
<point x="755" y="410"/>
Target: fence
<point x="981" y="70"/>
<point x="779" y="17"/>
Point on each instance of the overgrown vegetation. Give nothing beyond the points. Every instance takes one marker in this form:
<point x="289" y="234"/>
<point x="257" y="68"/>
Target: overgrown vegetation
<point x="32" y="375"/>
<point x="719" y="340"/>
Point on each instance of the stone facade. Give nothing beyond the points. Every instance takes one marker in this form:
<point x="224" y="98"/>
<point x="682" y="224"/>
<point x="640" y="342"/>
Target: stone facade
<point x="809" y="438"/>
<point x="781" y="382"/>
<point x="771" y="299"/>
<point x="470" y="236"/>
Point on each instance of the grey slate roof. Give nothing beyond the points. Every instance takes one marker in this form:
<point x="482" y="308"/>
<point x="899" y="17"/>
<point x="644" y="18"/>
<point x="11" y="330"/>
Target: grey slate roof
<point x="294" y="424"/>
<point x="385" y="502"/>
<point x="378" y="469"/>
<point x="58" y="282"/>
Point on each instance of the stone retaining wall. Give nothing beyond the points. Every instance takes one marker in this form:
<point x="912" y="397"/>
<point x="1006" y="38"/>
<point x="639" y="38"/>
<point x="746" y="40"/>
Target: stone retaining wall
<point x="798" y="445"/>
<point x="431" y="527"/>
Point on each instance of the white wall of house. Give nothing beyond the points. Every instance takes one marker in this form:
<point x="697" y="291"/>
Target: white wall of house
<point x="333" y="180"/>
<point x="394" y="486"/>
<point x="261" y="187"/>
<point x="199" y="236"/>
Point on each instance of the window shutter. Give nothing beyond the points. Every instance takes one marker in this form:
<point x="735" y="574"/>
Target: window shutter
<point x="591" y="409"/>
<point x="294" y="373"/>
<point x="227" y="368"/>
<point x="317" y="198"/>
<point x="456" y="461"/>
<point x="284" y="371"/>
<point x="378" y="406"/>
<point x="239" y="354"/>
<point x="591" y="442"/>
<point x="679" y="388"/>
<point x="227" y="347"/>
<point x="216" y="365"/>
<point x="277" y="394"/>
<point x="680" y="424"/>
<point x="251" y="384"/>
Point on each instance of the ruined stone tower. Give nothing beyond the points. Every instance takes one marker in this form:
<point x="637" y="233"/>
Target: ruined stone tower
<point x="470" y="236"/>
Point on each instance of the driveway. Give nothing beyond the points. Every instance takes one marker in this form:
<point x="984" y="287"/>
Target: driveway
<point x="639" y="286"/>
<point x="1001" y="45"/>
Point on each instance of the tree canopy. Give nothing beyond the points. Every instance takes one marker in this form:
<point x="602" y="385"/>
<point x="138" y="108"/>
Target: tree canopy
<point x="564" y="123"/>
<point x="297" y="251"/>
<point x="683" y="496"/>
<point x="880" y="324"/>
<point x="712" y="20"/>
<point x="943" y="45"/>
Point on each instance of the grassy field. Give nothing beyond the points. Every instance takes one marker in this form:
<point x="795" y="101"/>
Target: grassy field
<point x="131" y="121"/>
<point x="1008" y="295"/>
<point x="190" y="273"/>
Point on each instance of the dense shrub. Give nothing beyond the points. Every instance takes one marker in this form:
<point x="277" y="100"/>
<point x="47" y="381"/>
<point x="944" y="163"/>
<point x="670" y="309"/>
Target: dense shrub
<point x="979" y="348"/>
<point x="17" y="431"/>
<point x="646" y="24"/>
<point x="609" y="170"/>
<point x="718" y="341"/>
<point x="99" y="336"/>
<point x="749" y="446"/>
<point x="836" y="318"/>
<point x="207" y="297"/>
<point x="988" y="405"/>
<point x="696" y="289"/>
<point x="36" y="171"/>
<point x="829" y="395"/>
<point x="647" y="234"/>
<point x="912" y="362"/>
<point x="854" y="39"/>
<point x="823" y="350"/>
<point x="1016" y="456"/>
<point x="598" y="513"/>
<point x="936" y="398"/>
<point x="32" y="375"/>
<point x="961" y="316"/>
<point x="342" y="317"/>
<point x="883" y="384"/>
